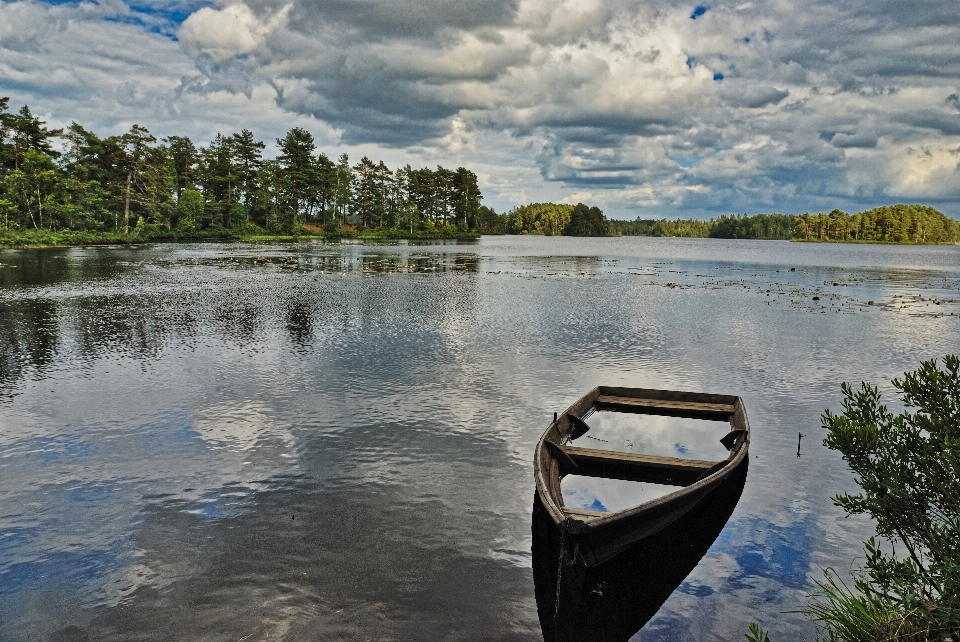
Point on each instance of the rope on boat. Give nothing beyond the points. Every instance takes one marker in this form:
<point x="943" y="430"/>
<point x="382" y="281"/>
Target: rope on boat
<point x="556" y="605"/>
<point x="561" y="561"/>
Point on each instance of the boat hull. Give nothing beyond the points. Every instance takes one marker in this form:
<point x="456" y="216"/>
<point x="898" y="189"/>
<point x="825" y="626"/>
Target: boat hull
<point x="610" y="602"/>
<point x="603" y="575"/>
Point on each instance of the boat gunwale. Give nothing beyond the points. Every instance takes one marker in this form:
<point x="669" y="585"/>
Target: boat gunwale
<point x="544" y="461"/>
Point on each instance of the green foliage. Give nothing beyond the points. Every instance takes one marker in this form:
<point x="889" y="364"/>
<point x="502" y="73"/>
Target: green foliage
<point x="862" y="614"/>
<point x="908" y="468"/>
<point x="759" y="226"/>
<point x="110" y="184"/>
<point x="23" y="132"/>
<point x="889" y="224"/>
<point x="548" y="219"/>
<point x="189" y="211"/>
<point x="690" y="228"/>
<point x="588" y="221"/>
<point x="490" y="222"/>
<point x="756" y="634"/>
<point x="274" y="223"/>
<point x="737" y="226"/>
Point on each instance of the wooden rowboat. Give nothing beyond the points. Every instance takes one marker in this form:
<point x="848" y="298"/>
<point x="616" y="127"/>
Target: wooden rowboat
<point x="580" y="554"/>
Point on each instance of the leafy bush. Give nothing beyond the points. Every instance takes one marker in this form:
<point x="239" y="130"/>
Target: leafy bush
<point x="908" y="467"/>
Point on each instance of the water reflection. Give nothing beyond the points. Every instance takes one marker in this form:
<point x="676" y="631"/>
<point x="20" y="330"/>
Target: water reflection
<point x="623" y="593"/>
<point x="29" y="334"/>
<point x="166" y="410"/>
<point x="330" y="261"/>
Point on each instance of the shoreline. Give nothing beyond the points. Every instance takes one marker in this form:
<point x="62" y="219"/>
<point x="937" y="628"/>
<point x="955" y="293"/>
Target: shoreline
<point x="34" y="240"/>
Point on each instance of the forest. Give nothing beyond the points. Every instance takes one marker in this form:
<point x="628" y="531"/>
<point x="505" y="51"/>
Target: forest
<point x="888" y="224"/>
<point x="548" y="219"/>
<point x="135" y="185"/>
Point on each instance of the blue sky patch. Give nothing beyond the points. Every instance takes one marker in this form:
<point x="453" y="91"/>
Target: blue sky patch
<point x="597" y="505"/>
<point x="60" y="571"/>
<point x="695" y="589"/>
<point x="161" y="19"/>
<point x="762" y="549"/>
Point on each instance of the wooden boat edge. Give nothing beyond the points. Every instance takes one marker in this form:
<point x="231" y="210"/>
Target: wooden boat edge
<point x="544" y="461"/>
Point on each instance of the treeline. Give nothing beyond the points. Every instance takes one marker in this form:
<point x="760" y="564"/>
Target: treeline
<point x="888" y="224"/>
<point x="548" y="219"/>
<point x="135" y="182"/>
<point x="736" y="226"/>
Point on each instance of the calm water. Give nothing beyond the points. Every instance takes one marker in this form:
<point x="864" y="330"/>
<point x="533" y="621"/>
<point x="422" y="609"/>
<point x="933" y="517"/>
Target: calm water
<point x="334" y="442"/>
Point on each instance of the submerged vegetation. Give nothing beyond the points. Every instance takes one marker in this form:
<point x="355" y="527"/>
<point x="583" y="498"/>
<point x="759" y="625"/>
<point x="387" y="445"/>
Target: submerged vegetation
<point x="888" y="224"/>
<point x="134" y="187"/>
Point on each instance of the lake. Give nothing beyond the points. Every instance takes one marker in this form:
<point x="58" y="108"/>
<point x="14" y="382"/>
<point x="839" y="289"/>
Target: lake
<point x="334" y="441"/>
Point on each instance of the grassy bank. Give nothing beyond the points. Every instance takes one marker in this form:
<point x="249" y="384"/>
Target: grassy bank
<point x="868" y="242"/>
<point x="71" y="238"/>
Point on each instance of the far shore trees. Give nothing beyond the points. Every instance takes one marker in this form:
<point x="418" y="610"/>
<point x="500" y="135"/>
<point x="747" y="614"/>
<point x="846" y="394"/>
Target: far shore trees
<point x="126" y="184"/>
<point x="888" y="224"/>
<point x="551" y="219"/>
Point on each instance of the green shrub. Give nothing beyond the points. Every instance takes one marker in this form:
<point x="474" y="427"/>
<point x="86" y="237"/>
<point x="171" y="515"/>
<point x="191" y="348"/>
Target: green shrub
<point x="908" y="468"/>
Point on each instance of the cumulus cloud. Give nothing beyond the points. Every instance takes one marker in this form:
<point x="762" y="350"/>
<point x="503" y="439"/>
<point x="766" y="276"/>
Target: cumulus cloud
<point x="648" y="107"/>
<point x="223" y="33"/>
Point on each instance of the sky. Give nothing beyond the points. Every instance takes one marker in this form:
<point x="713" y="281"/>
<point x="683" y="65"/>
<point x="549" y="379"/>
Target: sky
<point x="645" y="109"/>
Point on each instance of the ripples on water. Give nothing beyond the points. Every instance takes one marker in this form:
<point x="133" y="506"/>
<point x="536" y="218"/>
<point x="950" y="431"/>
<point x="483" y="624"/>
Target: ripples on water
<point x="335" y="441"/>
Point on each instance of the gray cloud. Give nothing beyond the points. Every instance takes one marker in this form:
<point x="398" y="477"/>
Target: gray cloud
<point x="232" y="76"/>
<point x="946" y="124"/>
<point x="845" y="140"/>
<point x="372" y="20"/>
<point x="753" y="97"/>
<point x="954" y="101"/>
<point x="759" y="105"/>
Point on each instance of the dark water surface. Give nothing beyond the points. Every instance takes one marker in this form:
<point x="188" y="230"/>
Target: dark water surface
<point x="334" y="442"/>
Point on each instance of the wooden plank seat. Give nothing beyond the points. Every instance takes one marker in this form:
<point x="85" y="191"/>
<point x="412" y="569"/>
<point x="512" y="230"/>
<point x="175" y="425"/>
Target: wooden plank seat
<point x="635" y="467"/>
<point x="584" y="512"/>
<point x="666" y="407"/>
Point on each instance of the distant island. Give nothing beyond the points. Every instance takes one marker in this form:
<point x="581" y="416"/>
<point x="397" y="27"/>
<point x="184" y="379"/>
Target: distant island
<point x="548" y="219"/>
<point x="889" y="224"/>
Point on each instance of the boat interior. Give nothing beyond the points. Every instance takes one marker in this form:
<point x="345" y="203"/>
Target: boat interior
<point x="624" y="451"/>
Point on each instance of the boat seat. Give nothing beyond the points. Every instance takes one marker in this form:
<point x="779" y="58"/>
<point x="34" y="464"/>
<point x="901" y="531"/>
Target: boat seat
<point x="693" y="409"/>
<point x="672" y="471"/>
<point x="584" y="512"/>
